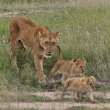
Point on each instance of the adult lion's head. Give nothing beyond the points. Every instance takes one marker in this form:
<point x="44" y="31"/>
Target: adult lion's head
<point x="47" y="40"/>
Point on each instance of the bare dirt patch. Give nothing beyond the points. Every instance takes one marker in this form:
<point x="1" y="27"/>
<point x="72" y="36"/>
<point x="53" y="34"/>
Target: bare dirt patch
<point x="15" y="13"/>
<point x="58" y="105"/>
<point x="55" y="95"/>
<point x="52" y="105"/>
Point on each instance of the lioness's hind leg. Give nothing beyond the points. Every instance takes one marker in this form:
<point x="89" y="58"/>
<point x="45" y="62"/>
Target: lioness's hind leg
<point x="14" y="54"/>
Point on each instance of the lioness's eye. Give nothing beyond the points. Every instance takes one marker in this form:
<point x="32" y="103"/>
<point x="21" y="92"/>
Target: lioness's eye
<point x="80" y="66"/>
<point x="53" y="43"/>
<point x="46" y="42"/>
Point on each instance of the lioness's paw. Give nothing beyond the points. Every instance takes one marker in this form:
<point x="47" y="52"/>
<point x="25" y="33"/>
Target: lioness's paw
<point x="51" y="81"/>
<point x="43" y="81"/>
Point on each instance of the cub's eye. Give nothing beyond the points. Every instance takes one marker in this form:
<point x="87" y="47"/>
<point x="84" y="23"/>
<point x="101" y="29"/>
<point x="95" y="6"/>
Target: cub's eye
<point x="91" y="83"/>
<point x="46" y="42"/>
<point x="80" y="66"/>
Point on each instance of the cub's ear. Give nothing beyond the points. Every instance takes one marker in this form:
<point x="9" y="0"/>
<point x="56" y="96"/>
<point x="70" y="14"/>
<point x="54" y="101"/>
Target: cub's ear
<point x="93" y="78"/>
<point x="87" y="80"/>
<point x="57" y="34"/>
<point x="74" y="60"/>
<point x="82" y="59"/>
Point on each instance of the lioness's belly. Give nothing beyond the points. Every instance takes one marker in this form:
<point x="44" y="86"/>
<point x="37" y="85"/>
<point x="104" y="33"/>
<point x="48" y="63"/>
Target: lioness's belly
<point x="28" y="44"/>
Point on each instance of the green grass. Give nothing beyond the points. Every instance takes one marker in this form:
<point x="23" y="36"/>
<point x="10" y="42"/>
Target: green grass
<point x="84" y="34"/>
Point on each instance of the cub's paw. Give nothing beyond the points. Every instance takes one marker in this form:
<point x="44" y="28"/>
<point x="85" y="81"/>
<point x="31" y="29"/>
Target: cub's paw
<point x="94" y="101"/>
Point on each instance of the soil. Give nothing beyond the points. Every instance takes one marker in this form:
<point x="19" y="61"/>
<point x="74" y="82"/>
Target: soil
<point x="52" y="105"/>
<point x="59" y="105"/>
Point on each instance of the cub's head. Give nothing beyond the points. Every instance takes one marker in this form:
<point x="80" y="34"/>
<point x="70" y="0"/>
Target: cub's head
<point x="79" y="65"/>
<point x="91" y="81"/>
<point x="47" y="40"/>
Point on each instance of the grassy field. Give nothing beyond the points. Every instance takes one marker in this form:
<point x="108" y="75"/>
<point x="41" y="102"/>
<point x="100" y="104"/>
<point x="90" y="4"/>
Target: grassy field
<point x="84" y="33"/>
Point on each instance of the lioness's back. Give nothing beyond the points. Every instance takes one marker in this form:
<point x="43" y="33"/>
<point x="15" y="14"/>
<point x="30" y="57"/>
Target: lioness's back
<point x="21" y="22"/>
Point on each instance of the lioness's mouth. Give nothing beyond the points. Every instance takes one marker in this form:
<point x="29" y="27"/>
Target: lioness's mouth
<point x="48" y="55"/>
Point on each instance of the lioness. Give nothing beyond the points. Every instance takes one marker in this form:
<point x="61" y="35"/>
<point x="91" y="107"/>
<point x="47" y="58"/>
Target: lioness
<point x="40" y="40"/>
<point x="81" y="84"/>
<point x="68" y="68"/>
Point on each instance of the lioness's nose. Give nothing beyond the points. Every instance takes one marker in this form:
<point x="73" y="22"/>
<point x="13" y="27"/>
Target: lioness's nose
<point x="49" y="53"/>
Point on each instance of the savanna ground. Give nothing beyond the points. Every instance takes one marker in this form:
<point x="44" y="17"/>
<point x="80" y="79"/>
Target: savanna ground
<point x="85" y="33"/>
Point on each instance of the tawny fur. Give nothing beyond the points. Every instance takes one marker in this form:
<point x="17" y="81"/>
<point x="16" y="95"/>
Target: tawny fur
<point x="81" y="84"/>
<point x="68" y="68"/>
<point x="40" y="40"/>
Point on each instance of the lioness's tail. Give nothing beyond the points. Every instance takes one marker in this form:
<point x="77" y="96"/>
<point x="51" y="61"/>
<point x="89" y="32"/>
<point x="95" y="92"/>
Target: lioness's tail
<point x="4" y="40"/>
<point x="60" y="53"/>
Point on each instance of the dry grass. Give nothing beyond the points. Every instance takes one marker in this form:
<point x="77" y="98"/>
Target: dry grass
<point x="49" y="5"/>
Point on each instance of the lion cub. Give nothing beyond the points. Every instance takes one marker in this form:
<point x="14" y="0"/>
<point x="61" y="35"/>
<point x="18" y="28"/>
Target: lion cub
<point x="81" y="84"/>
<point x="68" y="68"/>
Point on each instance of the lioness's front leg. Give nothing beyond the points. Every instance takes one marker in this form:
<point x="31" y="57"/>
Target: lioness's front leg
<point x="39" y="66"/>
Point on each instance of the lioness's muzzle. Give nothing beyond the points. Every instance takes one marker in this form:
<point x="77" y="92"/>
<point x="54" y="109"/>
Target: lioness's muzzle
<point x="49" y="54"/>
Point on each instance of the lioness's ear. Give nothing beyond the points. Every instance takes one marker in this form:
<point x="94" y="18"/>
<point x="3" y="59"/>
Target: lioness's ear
<point x="40" y="35"/>
<point x="46" y="27"/>
<point x="57" y="34"/>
